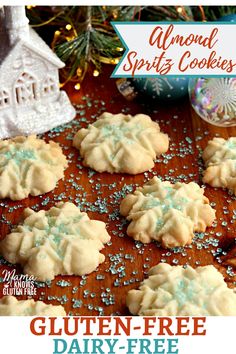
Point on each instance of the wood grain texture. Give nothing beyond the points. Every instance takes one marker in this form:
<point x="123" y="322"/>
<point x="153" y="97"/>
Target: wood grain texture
<point x="127" y="262"/>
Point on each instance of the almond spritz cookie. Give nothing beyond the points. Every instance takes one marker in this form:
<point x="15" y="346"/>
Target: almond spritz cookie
<point x="220" y="161"/>
<point x="177" y="291"/>
<point x="168" y="213"/>
<point x="121" y="143"/>
<point x="29" y="166"/>
<point x="10" y="306"/>
<point x="62" y="240"/>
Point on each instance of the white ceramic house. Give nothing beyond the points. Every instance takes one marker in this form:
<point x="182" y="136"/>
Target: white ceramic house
<point x="30" y="98"/>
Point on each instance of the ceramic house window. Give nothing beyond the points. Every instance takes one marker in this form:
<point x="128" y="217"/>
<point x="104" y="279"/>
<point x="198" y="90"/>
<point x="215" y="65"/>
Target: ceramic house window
<point x="4" y="99"/>
<point x="25" y="89"/>
<point x="49" y="86"/>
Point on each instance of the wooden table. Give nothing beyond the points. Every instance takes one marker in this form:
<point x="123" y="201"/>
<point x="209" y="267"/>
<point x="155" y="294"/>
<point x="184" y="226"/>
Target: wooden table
<point x="127" y="263"/>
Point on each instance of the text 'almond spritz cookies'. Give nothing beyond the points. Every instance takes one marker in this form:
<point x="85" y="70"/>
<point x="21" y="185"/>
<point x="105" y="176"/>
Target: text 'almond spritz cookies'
<point x="121" y="143"/>
<point x="29" y="166"/>
<point x="10" y="306"/>
<point x="177" y="291"/>
<point x="168" y="213"/>
<point x="220" y="161"/>
<point x="62" y="240"/>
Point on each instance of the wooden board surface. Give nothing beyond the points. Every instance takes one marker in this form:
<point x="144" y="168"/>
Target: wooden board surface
<point x="127" y="262"/>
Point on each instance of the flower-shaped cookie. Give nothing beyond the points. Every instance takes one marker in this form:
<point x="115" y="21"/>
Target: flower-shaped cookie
<point x="220" y="161"/>
<point x="168" y="213"/>
<point x="29" y="166"/>
<point x="10" y="306"/>
<point x="121" y="143"/>
<point x="61" y="240"/>
<point x="177" y="291"/>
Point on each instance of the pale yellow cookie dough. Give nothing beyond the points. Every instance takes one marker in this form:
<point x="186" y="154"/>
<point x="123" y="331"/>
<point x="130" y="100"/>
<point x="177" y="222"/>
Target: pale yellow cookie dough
<point x="10" y="306"/>
<point x="175" y="291"/>
<point x="29" y="166"/>
<point x="220" y="161"/>
<point x="121" y="143"/>
<point x="62" y="240"/>
<point x="168" y="213"/>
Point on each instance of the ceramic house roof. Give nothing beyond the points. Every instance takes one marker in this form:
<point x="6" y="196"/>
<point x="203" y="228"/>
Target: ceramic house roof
<point x="33" y="43"/>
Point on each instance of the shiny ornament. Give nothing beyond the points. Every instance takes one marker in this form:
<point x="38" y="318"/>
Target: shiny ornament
<point x="214" y="100"/>
<point x="228" y="18"/>
<point x="163" y="88"/>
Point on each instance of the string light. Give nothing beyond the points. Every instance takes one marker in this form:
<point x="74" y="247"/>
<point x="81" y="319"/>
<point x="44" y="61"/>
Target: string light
<point x="57" y="33"/>
<point x="179" y="10"/>
<point x="70" y="38"/>
<point x="68" y="27"/>
<point x="115" y="61"/>
<point x="29" y="7"/>
<point x="96" y="73"/>
<point x="115" y="14"/>
<point x="77" y="86"/>
<point x="79" y="72"/>
<point x="119" y="49"/>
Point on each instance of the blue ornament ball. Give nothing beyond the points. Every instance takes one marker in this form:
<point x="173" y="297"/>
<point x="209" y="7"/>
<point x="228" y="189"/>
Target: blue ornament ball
<point x="163" y="88"/>
<point x="228" y="18"/>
